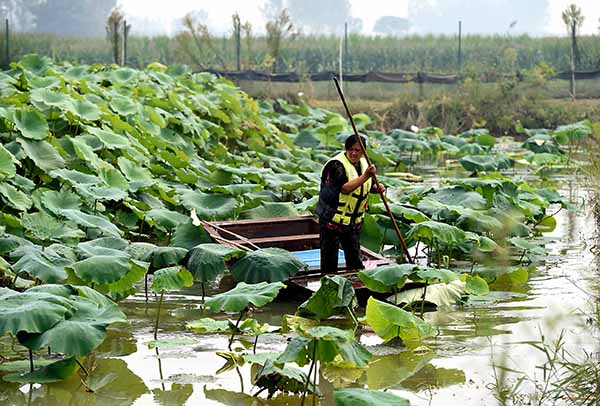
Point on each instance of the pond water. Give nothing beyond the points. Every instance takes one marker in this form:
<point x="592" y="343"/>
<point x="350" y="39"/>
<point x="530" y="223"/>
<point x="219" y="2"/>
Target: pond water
<point x="453" y="368"/>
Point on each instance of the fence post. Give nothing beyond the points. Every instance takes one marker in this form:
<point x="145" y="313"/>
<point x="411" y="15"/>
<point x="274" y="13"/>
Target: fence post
<point x="238" y="44"/>
<point x="459" y="54"/>
<point x="125" y="35"/>
<point x="346" y="47"/>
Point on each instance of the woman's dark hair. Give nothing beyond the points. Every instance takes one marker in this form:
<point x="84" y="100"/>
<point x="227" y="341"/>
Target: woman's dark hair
<point x="351" y="140"/>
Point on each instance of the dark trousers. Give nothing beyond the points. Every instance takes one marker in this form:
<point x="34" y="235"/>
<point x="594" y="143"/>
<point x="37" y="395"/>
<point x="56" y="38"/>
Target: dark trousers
<point x="334" y="235"/>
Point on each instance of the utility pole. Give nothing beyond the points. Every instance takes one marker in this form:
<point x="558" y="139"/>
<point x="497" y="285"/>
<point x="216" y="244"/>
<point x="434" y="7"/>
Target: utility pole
<point x="459" y="54"/>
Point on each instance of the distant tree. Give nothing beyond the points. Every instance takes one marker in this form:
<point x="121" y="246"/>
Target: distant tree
<point x="573" y="19"/>
<point x="391" y="25"/>
<point x="72" y="18"/>
<point x="355" y="25"/>
<point x="272" y="9"/>
<point x="279" y="30"/>
<point x="320" y="16"/>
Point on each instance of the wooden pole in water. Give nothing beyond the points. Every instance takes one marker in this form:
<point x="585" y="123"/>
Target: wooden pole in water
<point x="383" y="199"/>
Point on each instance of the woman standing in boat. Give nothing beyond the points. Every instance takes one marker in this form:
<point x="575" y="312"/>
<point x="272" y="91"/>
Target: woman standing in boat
<point x="345" y="187"/>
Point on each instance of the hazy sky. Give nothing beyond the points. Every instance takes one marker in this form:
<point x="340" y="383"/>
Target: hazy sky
<point x="220" y="11"/>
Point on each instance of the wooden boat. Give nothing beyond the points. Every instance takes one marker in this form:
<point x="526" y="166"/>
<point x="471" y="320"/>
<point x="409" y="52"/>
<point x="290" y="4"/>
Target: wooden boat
<point x="299" y="235"/>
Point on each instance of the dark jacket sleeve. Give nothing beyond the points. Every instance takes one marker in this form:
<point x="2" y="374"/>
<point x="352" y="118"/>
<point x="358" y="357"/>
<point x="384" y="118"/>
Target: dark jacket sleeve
<point x="332" y="180"/>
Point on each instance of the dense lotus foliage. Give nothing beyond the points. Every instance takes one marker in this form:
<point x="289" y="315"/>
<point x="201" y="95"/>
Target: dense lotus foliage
<point x="100" y="168"/>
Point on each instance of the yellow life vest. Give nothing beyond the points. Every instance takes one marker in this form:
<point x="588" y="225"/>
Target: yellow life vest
<point x="351" y="206"/>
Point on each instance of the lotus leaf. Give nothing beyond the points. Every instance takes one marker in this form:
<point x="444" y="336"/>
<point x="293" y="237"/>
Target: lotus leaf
<point x="31" y="123"/>
<point x="486" y="163"/>
<point x="476" y="285"/>
<point x="58" y="201"/>
<point x="43" y="266"/>
<point x="209" y="206"/>
<point x="207" y="261"/>
<point x="14" y="197"/>
<point x="91" y="221"/>
<point x="389" y="321"/>
<point x="435" y="233"/>
<point x="83" y="109"/>
<point x="109" y="138"/>
<point x="47" y="228"/>
<point x="75" y="177"/>
<point x="457" y="196"/>
<point x="440" y="294"/>
<point x="266" y="265"/>
<point x="35" y="64"/>
<point x="208" y="325"/>
<point x="365" y="397"/>
<point x="187" y="236"/>
<point x="270" y="210"/>
<point x="244" y="295"/>
<point x="7" y="163"/>
<point x="32" y="312"/>
<point x="54" y="372"/>
<point x="387" y="278"/>
<point x="43" y="154"/>
<point x="107" y="246"/>
<point x="101" y="269"/>
<point x="161" y="257"/>
<point x="335" y="295"/>
<point x="172" y="278"/>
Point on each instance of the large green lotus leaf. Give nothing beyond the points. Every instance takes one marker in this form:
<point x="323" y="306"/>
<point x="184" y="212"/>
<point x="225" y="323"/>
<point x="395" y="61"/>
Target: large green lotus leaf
<point x="31" y="123"/>
<point x="36" y="64"/>
<point x="435" y="233"/>
<point x="109" y="138"/>
<point x="14" y="197"/>
<point x="266" y="265"/>
<point x="55" y="372"/>
<point x="187" y="236"/>
<point x="387" y="278"/>
<point x="12" y="244"/>
<point x="57" y="201"/>
<point x="86" y="153"/>
<point x="103" y="246"/>
<point x="270" y="210"/>
<point x="410" y="214"/>
<point x="172" y="278"/>
<point x="123" y="75"/>
<point x="43" y="266"/>
<point x="162" y="257"/>
<point x="457" y="196"/>
<point x="209" y="206"/>
<point x="365" y="397"/>
<point x="207" y="261"/>
<point x="244" y="295"/>
<point x="91" y="221"/>
<point x="113" y="178"/>
<point x="94" y="194"/>
<point x="47" y="228"/>
<point x="471" y="149"/>
<point x="31" y="312"/>
<point x="333" y="341"/>
<point x="407" y="144"/>
<point x="135" y="173"/>
<point x="42" y="154"/>
<point x="284" y="379"/>
<point x="123" y="105"/>
<point x="83" y="109"/>
<point x="478" y="221"/>
<point x="476" y="285"/>
<point x="285" y="181"/>
<point x="208" y="325"/>
<point x="164" y="219"/>
<point x="101" y="269"/>
<point x="127" y="285"/>
<point x="440" y="294"/>
<point x="435" y="275"/>
<point x="389" y="321"/>
<point x="42" y="82"/>
<point x="335" y="295"/>
<point x="75" y="177"/>
<point x="141" y="251"/>
<point x="49" y="97"/>
<point x="575" y="131"/>
<point x="486" y="163"/>
<point x="23" y="183"/>
<point x="7" y="163"/>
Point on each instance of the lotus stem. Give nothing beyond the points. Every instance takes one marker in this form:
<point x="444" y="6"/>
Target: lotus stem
<point x="203" y="292"/>
<point x="85" y="371"/>
<point x="146" y="286"/>
<point x="312" y="364"/>
<point x="237" y="369"/>
<point x="255" y="342"/>
<point x="353" y="317"/>
<point x="160" y="372"/>
<point x="162" y="292"/>
<point x="30" y="360"/>
<point x="315" y="380"/>
<point x="237" y="323"/>
<point x="423" y="301"/>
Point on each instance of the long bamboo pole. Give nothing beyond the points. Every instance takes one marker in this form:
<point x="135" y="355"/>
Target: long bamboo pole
<point x="364" y="151"/>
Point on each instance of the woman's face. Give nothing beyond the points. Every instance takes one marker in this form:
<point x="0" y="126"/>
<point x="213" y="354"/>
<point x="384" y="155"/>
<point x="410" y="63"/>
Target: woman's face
<point x="354" y="154"/>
